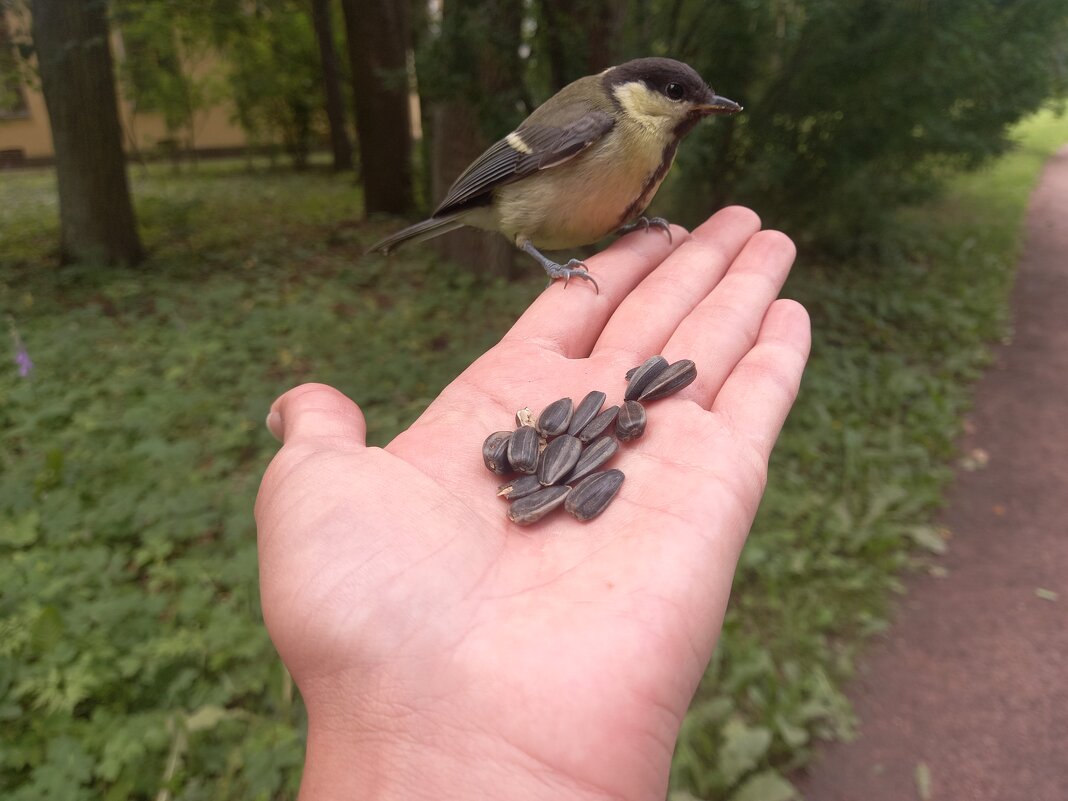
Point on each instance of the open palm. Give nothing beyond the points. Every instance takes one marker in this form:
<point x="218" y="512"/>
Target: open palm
<point x="443" y="651"/>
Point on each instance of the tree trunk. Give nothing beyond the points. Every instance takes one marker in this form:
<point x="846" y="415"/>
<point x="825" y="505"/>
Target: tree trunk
<point x="480" y="48"/>
<point x="457" y="142"/>
<point x="74" y="56"/>
<point x="377" y="32"/>
<point x="581" y="37"/>
<point x="335" y="107"/>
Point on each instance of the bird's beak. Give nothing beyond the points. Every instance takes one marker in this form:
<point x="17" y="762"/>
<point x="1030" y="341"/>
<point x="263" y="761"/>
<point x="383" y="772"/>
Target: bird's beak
<point x="719" y="105"/>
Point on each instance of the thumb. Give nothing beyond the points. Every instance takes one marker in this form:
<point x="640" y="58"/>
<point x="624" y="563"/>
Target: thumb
<point x="316" y="411"/>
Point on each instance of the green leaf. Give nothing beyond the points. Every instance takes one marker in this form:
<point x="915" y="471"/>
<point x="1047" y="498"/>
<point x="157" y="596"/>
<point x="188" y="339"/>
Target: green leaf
<point x="793" y="736"/>
<point x="47" y="629"/>
<point x="20" y="532"/>
<point x="766" y="786"/>
<point x="743" y="748"/>
<point x="207" y="717"/>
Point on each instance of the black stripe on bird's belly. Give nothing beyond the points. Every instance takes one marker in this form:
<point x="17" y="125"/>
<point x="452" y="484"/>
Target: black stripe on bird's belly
<point x="651" y="183"/>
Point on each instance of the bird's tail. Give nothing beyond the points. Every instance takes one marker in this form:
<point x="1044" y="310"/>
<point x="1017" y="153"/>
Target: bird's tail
<point x="427" y="229"/>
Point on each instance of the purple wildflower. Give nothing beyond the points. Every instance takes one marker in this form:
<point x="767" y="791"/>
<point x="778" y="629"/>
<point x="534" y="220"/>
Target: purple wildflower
<point x="22" y="356"/>
<point x="23" y="360"/>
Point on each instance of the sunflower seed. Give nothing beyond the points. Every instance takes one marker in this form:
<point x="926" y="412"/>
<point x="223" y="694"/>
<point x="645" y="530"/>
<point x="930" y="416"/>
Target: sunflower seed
<point x="599" y="424"/>
<point x="643" y="374"/>
<point x="592" y="495"/>
<point x="558" y="459"/>
<point x="495" y="451"/>
<point x="586" y="411"/>
<point x="593" y="456"/>
<point x="631" y="421"/>
<point x="555" y="417"/>
<point x="534" y="507"/>
<point x="523" y="450"/>
<point x="519" y="487"/>
<point x="630" y="372"/>
<point x="671" y="380"/>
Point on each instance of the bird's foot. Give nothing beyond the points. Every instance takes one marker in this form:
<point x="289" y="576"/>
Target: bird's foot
<point x="575" y="268"/>
<point x="646" y="223"/>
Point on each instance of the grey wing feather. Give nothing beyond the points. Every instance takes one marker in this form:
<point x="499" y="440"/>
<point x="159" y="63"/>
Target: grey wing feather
<point x="492" y="168"/>
<point x="549" y="146"/>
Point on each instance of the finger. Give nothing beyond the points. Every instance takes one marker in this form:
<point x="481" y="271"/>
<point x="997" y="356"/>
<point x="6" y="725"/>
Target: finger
<point x="759" y="392"/>
<point x="568" y="319"/>
<point x="646" y="319"/>
<point x="316" y="411"/>
<point x="724" y="325"/>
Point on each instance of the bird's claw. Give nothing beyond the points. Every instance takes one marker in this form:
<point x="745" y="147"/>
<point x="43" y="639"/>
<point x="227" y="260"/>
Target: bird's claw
<point x="645" y="223"/>
<point x="574" y="268"/>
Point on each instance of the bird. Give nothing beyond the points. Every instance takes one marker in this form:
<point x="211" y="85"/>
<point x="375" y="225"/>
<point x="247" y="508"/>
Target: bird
<point x="585" y="163"/>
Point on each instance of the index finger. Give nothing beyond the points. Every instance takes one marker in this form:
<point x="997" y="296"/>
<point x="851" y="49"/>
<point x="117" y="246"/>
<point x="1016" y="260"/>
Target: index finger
<point x="569" y="319"/>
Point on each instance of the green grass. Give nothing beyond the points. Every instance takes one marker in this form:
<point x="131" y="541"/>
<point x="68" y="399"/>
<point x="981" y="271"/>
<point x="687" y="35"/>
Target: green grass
<point x="132" y="655"/>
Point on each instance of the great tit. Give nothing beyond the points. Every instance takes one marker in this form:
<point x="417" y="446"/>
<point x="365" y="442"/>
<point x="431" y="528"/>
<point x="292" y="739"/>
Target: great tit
<point x="584" y="164"/>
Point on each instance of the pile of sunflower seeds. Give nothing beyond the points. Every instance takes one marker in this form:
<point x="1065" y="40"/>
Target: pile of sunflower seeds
<point x="559" y="453"/>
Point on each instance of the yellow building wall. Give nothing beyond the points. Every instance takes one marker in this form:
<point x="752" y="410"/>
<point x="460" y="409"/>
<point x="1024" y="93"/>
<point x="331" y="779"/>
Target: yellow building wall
<point x="143" y="132"/>
<point x="29" y="133"/>
<point x="211" y="129"/>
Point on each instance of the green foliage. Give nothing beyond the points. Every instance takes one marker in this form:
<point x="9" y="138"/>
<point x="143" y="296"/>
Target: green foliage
<point x="853" y="107"/>
<point x="275" y="75"/>
<point x="267" y="57"/>
<point x="133" y="657"/>
<point x="13" y="70"/>
<point x="487" y="78"/>
<point x="162" y="48"/>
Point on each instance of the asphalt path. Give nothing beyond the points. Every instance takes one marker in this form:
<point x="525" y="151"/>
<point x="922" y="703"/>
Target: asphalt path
<point x="966" y="696"/>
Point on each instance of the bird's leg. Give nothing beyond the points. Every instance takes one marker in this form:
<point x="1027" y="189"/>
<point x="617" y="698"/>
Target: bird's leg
<point x="646" y="223"/>
<point x="573" y="268"/>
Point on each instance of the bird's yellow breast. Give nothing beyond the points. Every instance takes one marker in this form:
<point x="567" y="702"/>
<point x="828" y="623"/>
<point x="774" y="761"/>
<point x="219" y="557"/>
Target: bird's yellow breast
<point x="588" y="197"/>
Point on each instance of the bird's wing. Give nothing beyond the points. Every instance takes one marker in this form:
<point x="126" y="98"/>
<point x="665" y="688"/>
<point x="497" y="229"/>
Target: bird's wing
<point x="531" y="147"/>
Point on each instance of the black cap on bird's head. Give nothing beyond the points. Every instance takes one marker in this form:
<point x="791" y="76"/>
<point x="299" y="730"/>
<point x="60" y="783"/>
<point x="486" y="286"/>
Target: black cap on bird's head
<point x="676" y="81"/>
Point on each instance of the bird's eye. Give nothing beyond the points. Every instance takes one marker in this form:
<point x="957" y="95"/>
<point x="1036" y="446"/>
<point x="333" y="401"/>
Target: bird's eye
<point x="674" y="91"/>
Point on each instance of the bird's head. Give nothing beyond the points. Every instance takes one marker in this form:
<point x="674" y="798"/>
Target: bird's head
<point x="664" y="94"/>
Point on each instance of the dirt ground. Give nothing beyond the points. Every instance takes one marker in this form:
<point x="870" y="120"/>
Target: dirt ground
<point x="966" y="696"/>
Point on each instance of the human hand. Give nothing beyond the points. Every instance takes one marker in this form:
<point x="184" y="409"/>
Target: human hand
<point x="444" y="652"/>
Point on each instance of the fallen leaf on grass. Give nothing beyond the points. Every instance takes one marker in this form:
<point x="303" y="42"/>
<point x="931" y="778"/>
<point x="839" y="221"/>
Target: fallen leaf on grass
<point x="975" y="459"/>
<point x="929" y="537"/>
<point x="923" y="781"/>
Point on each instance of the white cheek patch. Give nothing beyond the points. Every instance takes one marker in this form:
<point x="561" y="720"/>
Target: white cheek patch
<point x="515" y="141"/>
<point x="648" y="108"/>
